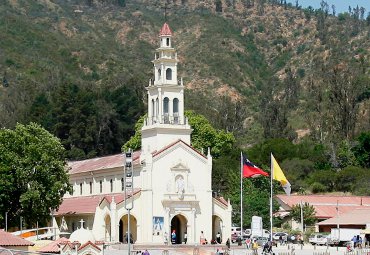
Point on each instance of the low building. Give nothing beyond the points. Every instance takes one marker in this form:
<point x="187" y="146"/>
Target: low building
<point x="357" y="218"/>
<point x="12" y="242"/>
<point x="326" y="206"/>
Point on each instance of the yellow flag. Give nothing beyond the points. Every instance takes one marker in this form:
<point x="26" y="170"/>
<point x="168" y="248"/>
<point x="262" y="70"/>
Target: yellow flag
<point x="277" y="174"/>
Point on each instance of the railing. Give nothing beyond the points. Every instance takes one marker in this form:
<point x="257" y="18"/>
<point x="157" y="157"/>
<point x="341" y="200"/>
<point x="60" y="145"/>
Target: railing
<point x="166" y="119"/>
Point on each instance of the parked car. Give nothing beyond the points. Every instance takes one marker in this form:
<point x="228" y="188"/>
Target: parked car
<point x="318" y="239"/>
<point x="276" y="236"/>
<point x="261" y="240"/>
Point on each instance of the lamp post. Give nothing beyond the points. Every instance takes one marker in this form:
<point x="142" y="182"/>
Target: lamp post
<point x="128" y="192"/>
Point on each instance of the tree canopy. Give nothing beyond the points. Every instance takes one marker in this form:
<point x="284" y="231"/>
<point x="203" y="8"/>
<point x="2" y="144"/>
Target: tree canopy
<point x="33" y="176"/>
<point x="203" y="136"/>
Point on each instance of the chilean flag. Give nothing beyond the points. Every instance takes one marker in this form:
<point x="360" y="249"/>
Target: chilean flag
<point x="250" y="170"/>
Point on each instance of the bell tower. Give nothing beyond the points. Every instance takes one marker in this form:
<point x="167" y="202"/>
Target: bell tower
<point x="166" y="122"/>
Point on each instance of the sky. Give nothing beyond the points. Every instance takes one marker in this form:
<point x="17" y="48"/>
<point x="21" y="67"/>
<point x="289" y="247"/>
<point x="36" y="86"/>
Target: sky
<point x="340" y="5"/>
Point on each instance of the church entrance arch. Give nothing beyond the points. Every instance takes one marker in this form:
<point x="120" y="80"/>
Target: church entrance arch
<point x="217" y="226"/>
<point x="179" y="224"/>
<point x="107" y="229"/>
<point x="123" y="228"/>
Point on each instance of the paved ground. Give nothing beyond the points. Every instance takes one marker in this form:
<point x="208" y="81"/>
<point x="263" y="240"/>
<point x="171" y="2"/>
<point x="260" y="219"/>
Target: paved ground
<point x="235" y="250"/>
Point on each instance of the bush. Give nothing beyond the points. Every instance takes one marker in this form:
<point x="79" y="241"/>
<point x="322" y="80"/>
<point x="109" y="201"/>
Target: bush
<point x="317" y="187"/>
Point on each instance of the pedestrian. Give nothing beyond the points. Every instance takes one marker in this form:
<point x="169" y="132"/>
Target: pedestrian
<point x="202" y="238"/>
<point x="255" y="247"/>
<point x="248" y="243"/>
<point x="146" y="252"/>
<point x="218" y="237"/>
<point x="228" y="243"/>
<point x="185" y="237"/>
<point x="173" y="237"/>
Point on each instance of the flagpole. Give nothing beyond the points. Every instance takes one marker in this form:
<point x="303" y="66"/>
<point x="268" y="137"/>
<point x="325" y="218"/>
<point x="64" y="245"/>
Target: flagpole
<point x="241" y="194"/>
<point x="272" y="169"/>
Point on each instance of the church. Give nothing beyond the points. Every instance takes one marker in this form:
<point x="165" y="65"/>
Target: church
<point x="172" y="181"/>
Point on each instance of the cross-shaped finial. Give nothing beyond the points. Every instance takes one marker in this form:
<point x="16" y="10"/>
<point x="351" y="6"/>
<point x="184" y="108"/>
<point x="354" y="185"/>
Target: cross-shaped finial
<point x="165" y="12"/>
<point x="82" y="223"/>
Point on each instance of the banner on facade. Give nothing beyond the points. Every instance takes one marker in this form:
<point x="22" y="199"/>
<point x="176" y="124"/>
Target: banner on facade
<point x="158" y="226"/>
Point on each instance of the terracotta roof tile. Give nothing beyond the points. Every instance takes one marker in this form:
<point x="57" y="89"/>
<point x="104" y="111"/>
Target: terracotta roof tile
<point x="165" y="30"/>
<point x="7" y="239"/>
<point x="359" y="216"/>
<point x="325" y="205"/>
<point x="87" y="204"/>
<point x="87" y="244"/>
<point x="221" y="200"/>
<point x="100" y="163"/>
<point x="53" y="247"/>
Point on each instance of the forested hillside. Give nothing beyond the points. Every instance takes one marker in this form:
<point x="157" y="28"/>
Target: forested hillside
<point x="280" y="78"/>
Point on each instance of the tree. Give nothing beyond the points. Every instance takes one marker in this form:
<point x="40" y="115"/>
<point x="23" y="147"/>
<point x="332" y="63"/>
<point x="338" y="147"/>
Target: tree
<point x="308" y="214"/>
<point x="218" y="4"/>
<point x="33" y="176"/>
<point x="362" y="150"/>
<point x="203" y="136"/>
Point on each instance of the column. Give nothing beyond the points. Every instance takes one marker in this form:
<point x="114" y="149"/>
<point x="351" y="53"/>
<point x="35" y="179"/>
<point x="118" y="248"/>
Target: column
<point x="113" y="221"/>
<point x="194" y="233"/>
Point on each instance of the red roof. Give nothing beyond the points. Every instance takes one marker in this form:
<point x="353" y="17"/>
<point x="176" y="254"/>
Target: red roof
<point x="325" y="205"/>
<point x="7" y="239"/>
<point x="53" y="247"/>
<point x="101" y="163"/>
<point x="222" y="200"/>
<point x="87" y="244"/>
<point x="87" y="204"/>
<point x="359" y="216"/>
<point x="165" y="30"/>
<point x="156" y="153"/>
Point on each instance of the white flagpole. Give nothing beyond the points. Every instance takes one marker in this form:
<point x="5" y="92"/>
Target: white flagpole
<point x="241" y="194"/>
<point x="272" y="169"/>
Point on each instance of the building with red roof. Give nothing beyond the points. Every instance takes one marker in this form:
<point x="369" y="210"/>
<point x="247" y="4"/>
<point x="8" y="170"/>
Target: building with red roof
<point x="9" y="241"/>
<point x="168" y="182"/>
<point x="327" y="207"/>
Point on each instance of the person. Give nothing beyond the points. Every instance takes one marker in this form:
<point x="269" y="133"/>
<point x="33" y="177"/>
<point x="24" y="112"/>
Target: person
<point x="218" y="237"/>
<point x="255" y="247"/>
<point x="173" y="237"/>
<point x="281" y="240"/>
<point x="228" y="243"/>
<point x="185" y="237"/>
<point x="129" y="238"/>
<point x="146" y="252"/>
<point x="353" y="241"/>
<point x="267" y="247"/>
<point x="248" y="243"/>
<point x="202" y="238"/>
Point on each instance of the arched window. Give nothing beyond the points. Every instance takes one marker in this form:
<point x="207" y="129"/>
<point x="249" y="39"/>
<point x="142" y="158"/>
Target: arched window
<point x="175" y="110"/>
<point x="122" y="184"/>
<point x="111" y="185"/>
<point x="90" y="187"/>
<point x="168" y="41"/>
<point x="159" y="74"/>
<point x="80" y="188"/>
<point x="165" y="109"/>
<point x="176" y="106"/>
<point x="169" y="74"/>
<point x="153" y="108"/>
<point x="165" y="105"/>
<point x="157" y="107"/>
<point x="101" y="186"/>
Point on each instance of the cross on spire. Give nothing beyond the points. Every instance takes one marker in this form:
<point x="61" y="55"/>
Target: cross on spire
<point x="82" y="223"/>
<point x="165" y="11"/>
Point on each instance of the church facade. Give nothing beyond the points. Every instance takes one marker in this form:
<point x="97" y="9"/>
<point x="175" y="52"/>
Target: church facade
<point x="171" y="180"/>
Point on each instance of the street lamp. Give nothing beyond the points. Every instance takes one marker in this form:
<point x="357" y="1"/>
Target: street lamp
<point x="128" y="191"/>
